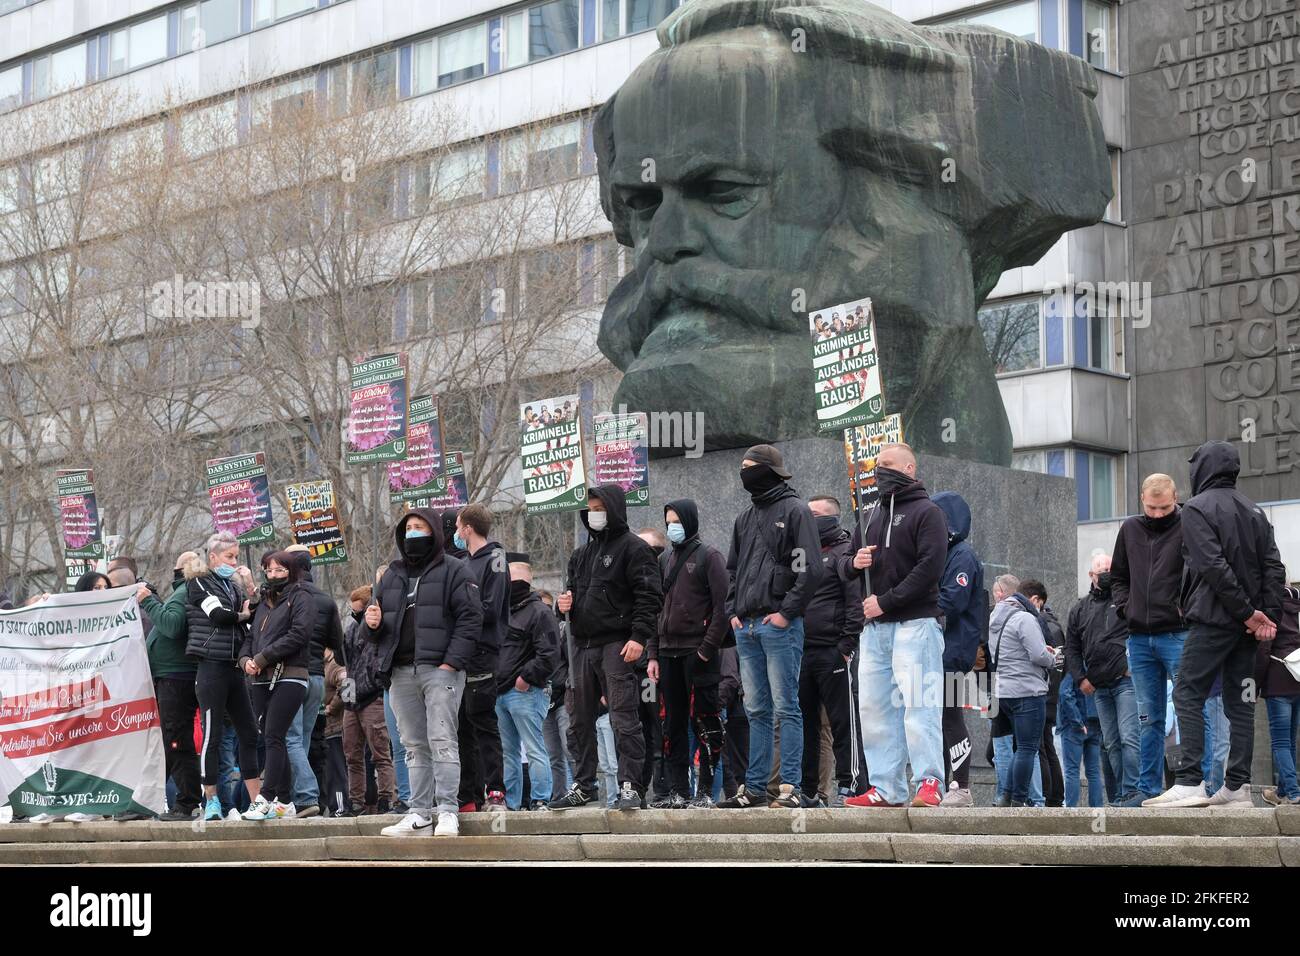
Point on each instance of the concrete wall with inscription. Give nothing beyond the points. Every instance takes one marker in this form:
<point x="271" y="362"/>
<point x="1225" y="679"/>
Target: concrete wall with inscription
<point x="1211" y="182"/>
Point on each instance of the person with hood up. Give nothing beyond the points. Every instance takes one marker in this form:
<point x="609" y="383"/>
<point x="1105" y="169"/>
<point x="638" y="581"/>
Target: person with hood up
<point x="1021" y="662"/>
<point x="1232" y="595"/>
<point x="963" y="602"/>
<point x="774" y="573"/>
<point x="1147" y="571"/>
<point x="905" y="548"/>
<point x="275" y="655"/>
<point x="426" y="619"/>
<point x="481" y="768"/>
<point x="1096" y="653"/>
<point x="613" y="595"/>
<point x="685" y="653"/>
<point x="832" y="626"/>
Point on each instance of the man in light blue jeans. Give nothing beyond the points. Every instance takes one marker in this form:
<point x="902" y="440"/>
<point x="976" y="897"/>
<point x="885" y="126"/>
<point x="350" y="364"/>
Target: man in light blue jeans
<point x="1118" y="711"/>
<point x="519" y="718"/>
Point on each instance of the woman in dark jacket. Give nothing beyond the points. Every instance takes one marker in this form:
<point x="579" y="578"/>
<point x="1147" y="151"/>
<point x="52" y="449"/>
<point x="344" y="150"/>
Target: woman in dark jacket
<point x="216" y="611"/>
<point x="275" y="654"/>
<point x="1281" y="693"/>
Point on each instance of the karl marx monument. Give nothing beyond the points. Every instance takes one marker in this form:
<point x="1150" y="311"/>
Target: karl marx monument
<point x="774" y="157"/>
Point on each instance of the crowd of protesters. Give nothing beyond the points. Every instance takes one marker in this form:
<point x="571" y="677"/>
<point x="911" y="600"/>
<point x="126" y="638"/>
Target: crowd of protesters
<point x="803" y="666"/>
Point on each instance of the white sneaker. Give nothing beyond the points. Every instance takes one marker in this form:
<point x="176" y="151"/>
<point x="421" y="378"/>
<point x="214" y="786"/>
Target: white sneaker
<point x="82" y="817"/>
<point x="43" y="818"/>
<point x="411" y="825"/>
<point x="448" y="825"/>
<point x="282" y="811"/>
<point x="956" y="797"/>
<point x="233" y="816"/>
<point x="1180" y="795"/>
<point x="1238" y="799"/>
<point x="259" y="809"/>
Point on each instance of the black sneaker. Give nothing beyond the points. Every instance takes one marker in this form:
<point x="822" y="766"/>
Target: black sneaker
<point x="741" y="800"/>
<point x="176" y="816"/>
<point x="787" y="799"/>
<point x="702" y="802"/>
<point x="673" y="801"/>
<point x="311" y="810"/>
<point x="814" y="802"/>
<point x="576" y="797"/>
<point x="628" y="798"/>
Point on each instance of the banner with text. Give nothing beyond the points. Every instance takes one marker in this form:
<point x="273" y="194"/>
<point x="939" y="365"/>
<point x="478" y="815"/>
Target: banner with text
<point x="240" y="495"/>
<point x="79" y="514"/>
<point x="861" y="446"/>
<point x="79" y="726"/>
<point x="423" y="459"/>
<point x="377" y="417"/>
<point x="622" y="455"/>
<point x="314" y="520"/>
<point x="550" y="448"/>
<point x="846" y="373"/>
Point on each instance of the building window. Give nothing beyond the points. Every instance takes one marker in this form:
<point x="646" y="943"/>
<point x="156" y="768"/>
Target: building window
<point x="9" y="6"/>
<point x="457" y="298"/>
<point x="268" y="11"/>
<point x="540" y="157"/>
<point x="282" y="102"/>
<point x="374" y="80"/>
<point x="646" y="14"/>
<point x="211" y="21"/>
<point x="1013" y="334"/>
<point x="1096" y="312"/>
<point x="63" y="70"/>
<point x="146" y="42"/>
<point x="1099" y="34"/>
<point x="552" y="29"/>
<point x="462" y="55"/>
<point x="1114" y="211"/>
<point x="11" y="87"/>
<point x="1018" y="19"/>
<point x="211" y="128"/>
<point x="516" y="51"/>
<point x="611" y="26"/>
<point x="451" y="179"/>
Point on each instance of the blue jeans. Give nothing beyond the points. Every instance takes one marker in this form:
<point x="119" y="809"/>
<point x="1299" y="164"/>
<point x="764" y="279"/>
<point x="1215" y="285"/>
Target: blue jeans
<point x="306" y="792"/>
<point x="1217" y="728"/>
<point x="1153" y="659"/>
<point x="1003" y="754"/>
<point x="1283" y="722"/>
<point x="770" y="658"/>
<point x="399" y="752"/>
<point x="900" y="694"/>
<point x="1117" y="708"/>
<point x="1077" y="746"/>
<point x="231" y="790"/>
<point x="519" y="719"/>
<point x="607" y="758"/>
<point x="1027" y="716"/>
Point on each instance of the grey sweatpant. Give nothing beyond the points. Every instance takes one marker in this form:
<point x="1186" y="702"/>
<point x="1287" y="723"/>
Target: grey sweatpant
<point x="425" y="703"/>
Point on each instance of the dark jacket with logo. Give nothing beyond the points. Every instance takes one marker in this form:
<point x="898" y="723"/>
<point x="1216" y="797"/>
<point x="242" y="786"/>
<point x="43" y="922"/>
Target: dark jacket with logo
<point x="1096" y="640"/>
<point x="910" y="535"/>
<point x="448" y="610"/>
<point x="488" y="567"/>
<point x="772" y="562"/>
<point x="1146" y="571"/>
<point x="212" y="607"/>
<point x="531" y="648"/>
<point x="1232" y="565"/>
<point x="281" y="633"/>
<point x="614" y="578"/>
<point x="694" y="616"/>
<point x="963" y="602"/>
<point x="1271" y="675"/>
<point x="834" y="616"/>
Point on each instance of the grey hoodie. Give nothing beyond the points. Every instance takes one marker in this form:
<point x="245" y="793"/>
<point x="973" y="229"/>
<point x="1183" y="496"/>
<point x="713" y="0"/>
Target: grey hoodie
<point x="1016" y="641"/>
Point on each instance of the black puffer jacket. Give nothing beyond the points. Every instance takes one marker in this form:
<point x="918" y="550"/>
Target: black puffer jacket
<point x="1147" y="570"/>
<point x="694" y="616"/>
<point x="212" y="607"/>
<point x="448" y="610"/>
<point x="1096" y="640"/>
<point x="531" y="649"/>
<point x="487" y="566"/>
<point x="1232" y="567"/>
<point x="614" y="578"/>
<point x="773" y="558"/>
<point x="281" y="633"/>
<point x="328" y="631"/>
<point x="834" y="615"/>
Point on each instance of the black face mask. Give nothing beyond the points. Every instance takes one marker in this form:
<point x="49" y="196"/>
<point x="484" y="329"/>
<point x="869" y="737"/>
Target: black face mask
<point x="759" y="478"/>
<point x="1104" y="581"/>
<point x="891" y="482"/>
<point x="827" y="526"/>
<point x="275" y="585"/>
<point x="519" y="590"/>
<point x="1163" y="523"/>
<point x="418" y="549"/>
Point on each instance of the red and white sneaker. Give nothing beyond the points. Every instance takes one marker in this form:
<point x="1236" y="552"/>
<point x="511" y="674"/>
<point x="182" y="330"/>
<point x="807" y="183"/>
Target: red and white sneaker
<point x="929" y="794"/>
<point x="470" y="807"/>
<point x="872" y="798"/>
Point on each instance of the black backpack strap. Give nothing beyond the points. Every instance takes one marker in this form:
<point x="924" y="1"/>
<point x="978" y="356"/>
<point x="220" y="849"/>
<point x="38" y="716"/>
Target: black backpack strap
<point x="671" y="579"/>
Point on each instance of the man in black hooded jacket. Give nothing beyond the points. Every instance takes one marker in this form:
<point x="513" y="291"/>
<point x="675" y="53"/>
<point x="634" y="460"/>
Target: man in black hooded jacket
<point x="686" y="652"/>
<point x="613" y="597"/>
<point x="1233" y="585"/>
<point x="774" y="571"/>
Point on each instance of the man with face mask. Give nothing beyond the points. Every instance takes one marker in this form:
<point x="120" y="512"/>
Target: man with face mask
<point x="832" y="626"/>
<point x="905" y="548"/>
<point x="1232" y="596"/>
<point x="774" y="570"/>
<point x="685" y="653"/>
<point x="1146" y="572"/>
<point x="1096" y="654"/>
<point x="613" y="595"/>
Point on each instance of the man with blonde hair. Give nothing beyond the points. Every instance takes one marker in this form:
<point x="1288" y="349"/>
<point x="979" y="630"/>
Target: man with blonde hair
<point x="1146" y="573"/>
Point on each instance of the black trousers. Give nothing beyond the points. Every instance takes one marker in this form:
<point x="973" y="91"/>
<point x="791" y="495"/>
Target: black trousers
<point x="957" y="748"/>
<point x="276" y="708"/>
<point x="1206" y="652"/>
<point x="176" y="706"/>
<point x="335" y="793"/>
<point x="690" y="693"/>
<point x="600" y="671"/>
<point x="826" y="680"/>
<point x="735" y="750"/>
<point x="481" y="767"/>
<point x="222" y="692"/>
<point x="1050" y="766"/>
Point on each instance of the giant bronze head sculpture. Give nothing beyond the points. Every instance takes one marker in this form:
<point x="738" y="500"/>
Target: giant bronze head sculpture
<point x="774" y="157"/>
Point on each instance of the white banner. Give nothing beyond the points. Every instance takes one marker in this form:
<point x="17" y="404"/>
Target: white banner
<point x="79" y="726"/>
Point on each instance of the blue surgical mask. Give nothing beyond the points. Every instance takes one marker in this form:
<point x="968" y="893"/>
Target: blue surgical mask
<point x="459" y="541"/>
<point x="415" y="533"/>
<point x="226" y="571"/>
<point x="676" y="533"/>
